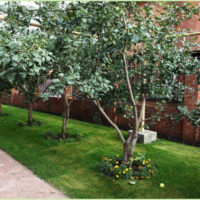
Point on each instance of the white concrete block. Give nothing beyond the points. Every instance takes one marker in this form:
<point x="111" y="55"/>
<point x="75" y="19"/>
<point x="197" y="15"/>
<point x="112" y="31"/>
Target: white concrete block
<point x="147" y="136"/>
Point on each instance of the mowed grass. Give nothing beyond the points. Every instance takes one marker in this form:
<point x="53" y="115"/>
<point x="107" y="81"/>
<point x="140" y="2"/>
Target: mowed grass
<point x="71" y="167"/>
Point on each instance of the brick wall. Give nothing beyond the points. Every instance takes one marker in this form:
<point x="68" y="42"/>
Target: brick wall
<point x="85" y="110"/>
<point x="190" y="133"/>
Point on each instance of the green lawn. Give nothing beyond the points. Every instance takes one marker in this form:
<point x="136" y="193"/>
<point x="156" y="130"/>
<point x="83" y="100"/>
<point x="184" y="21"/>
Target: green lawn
<point x="71" y="166"/>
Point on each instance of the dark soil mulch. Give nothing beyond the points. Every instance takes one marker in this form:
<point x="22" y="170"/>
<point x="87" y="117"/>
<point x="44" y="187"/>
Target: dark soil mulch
<point x="5" y="115"/>
<point x="69" y="137"/>
<point x="35" y="123"/>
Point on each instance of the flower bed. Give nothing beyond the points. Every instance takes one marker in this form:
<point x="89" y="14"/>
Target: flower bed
<point x="138" y="168"/>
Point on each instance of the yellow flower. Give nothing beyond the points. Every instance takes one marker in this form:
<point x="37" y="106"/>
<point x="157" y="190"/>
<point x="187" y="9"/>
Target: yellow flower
<point x="126" y="169"/>
<point x="117" y="155"/>
<point x="149" y="160"/>
<point x="143" y="162"/>
<point x="117" y="162"/>
<point x="124" y="172"/>
<point x="127" y="162"/>
<point x="148" y="165"/>
<point x="117" y="176"/>
<point x="146" y="162"/>
<point x="116" y="166"/>
<point x="132" y="177"/>
<point x="111" y="169"/>
<point x="130" y="168"/>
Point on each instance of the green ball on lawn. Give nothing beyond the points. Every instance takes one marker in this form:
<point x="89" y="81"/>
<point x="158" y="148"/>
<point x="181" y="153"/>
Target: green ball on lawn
<point x="162" y="185"/>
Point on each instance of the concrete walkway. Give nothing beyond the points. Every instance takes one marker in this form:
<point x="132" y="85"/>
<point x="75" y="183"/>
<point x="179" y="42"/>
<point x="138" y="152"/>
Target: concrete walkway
<point x="16" y="181"/>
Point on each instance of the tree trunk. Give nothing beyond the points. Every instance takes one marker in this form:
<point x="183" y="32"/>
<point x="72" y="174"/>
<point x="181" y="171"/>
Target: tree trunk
<point x="0" y="104"/>
<point x="30" y="114"/>
<point x="129" y="146"/>
<point x="65" y="117"/>
<point x="132" y="145"/>
<point x="64" y="124"/>
<point x="125" y="153"/>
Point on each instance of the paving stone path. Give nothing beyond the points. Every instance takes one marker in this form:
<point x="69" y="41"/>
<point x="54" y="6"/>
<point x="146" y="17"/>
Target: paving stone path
<point x="16" y="181"/>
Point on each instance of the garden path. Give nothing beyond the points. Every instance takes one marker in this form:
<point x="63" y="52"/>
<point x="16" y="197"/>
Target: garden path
<point x="16" y="181"/>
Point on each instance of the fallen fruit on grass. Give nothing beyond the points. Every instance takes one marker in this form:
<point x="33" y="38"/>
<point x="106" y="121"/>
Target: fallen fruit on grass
<point x="131" y="182"/>
<point x="162" y="185"/>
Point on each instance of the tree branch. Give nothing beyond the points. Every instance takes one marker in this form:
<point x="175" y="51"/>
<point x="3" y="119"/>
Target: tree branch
<point x="97" y="103"/>
<point x="130" y="89"/>
<point x="184" y="34"/>
<point x="142" y="109"/>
